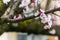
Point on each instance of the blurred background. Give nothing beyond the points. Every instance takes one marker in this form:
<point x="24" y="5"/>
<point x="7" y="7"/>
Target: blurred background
<point x="15" y="24"/>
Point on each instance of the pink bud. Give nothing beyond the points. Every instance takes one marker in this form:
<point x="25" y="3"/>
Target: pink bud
<point x="25" y="9"/>
<point x="17" y="15"/>
<point x="46" y="23"/>
<point x="33" y="1"/>
<point x="40" y="13"/>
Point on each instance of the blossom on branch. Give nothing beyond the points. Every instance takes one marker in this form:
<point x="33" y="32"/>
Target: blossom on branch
<point x="24" y="3"/>
<point x="46" y="19"/>
<point x="17" y="17"/>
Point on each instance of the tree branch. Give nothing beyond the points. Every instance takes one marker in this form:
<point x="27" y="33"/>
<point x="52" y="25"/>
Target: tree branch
<point x="10" y="9"/>
<point x="23" y="19"/>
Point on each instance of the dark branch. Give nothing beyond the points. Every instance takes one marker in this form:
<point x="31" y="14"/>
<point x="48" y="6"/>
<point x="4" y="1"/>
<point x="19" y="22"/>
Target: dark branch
<point x="53" y="10"/>
<point x="49" y="11"/>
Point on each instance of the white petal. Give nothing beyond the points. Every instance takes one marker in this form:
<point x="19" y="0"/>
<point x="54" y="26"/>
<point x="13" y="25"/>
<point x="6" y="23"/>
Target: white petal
<point x="46" y="27"/>
<point x="53" y="31"/>
<point x="42" y="10"/>
<point x="6" y="1"/>
<point x="24" y="3"/>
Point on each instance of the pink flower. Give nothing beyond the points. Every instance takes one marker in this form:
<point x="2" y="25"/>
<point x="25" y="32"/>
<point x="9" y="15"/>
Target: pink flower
<point x="18" y="16"/>
<point x="24" y="9"/>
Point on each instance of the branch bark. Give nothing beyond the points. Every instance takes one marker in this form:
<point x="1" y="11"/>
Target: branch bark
<point x="23" y="19"/>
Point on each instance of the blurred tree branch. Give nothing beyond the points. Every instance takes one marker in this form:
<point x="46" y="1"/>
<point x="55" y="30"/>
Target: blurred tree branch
<point x="23" y="19"/>
<point x="10" y="9"/>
